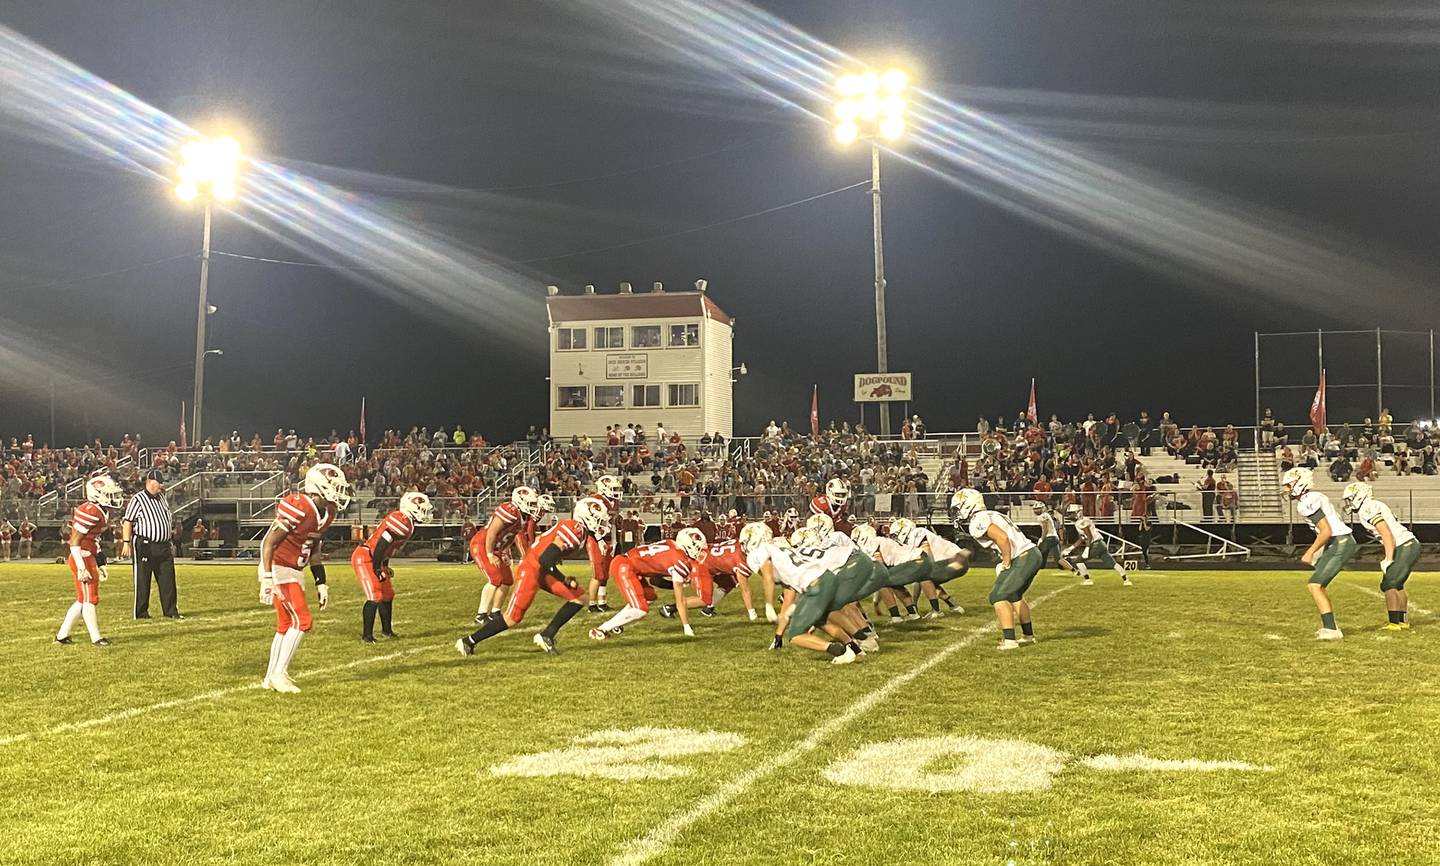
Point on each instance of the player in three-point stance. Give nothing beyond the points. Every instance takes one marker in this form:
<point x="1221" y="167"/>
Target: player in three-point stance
<point x="511" y="527"/>
<point x="608" y="490"/>
<point x="1334" y="543"/>
<point x="540" y="570"/>
<point x="1402" y="550"/>
<point x="371" y="562"/>
<point x="673" y="562"/>
<point x="721" y="572"/>
<point x="1016" y="570"/>
<point x="814" y="593"/>
<point x="296" y="535"/>
<point x="86" y="525"/>
<point x="1089" y="546"/>
<point x="949" y="561"/>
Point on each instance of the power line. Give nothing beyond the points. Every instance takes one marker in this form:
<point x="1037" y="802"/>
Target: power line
<point x="622" y="245"/>
<point x="87" y="278"/>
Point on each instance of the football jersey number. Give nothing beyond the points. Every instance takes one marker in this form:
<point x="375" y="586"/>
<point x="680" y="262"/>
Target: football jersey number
<point x="653" y="549"/>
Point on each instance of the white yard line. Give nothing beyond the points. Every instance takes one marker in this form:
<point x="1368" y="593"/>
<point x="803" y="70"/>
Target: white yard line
<point x="218" y="694"/>
<point x="1414" y="608"/>
<point x="661" y="836"/>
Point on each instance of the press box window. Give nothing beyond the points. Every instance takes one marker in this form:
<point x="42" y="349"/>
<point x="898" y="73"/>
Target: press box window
<point x="644" y="396"/>
<point x="684" y="395"/>
<point x="609" y="338"/>
<point x="645" y="337"/>
<point x="684" y="335"/>
<point x="570" y="339"/>
<point x="609" y="396"/>
<point x="571" y="396"/>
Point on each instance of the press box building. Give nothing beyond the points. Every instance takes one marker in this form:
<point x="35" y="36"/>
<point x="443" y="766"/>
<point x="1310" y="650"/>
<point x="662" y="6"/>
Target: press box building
<point x="639" y="359"/>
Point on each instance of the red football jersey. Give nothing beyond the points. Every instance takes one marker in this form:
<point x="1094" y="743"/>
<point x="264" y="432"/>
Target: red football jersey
<point x="89" y="521"/>
<point x="726" y="558"/>
<point x="398" y="527"/>
<point x="821" y="505"/>
<point x="662" y="559"/>
<point x="514" y="525"/>
<point x="304" y="524"/>
<point x="568" y="536"/>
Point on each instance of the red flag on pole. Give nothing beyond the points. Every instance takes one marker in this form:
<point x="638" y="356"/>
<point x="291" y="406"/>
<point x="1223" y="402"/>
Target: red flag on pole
<point x="183" y="443"/>
<point x="1030" y="412"/>
<point x="815" y="412"/>
<point x="362" y="420"/>
<point x="1317" y="407"/>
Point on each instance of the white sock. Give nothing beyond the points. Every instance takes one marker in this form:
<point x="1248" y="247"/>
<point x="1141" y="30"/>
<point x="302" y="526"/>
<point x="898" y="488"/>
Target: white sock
<point x="275" y="649"/>
<point x="92" y="623"/>
<point x="70" y="616"/>
<point x="487" y="597"/>
<point x="600" y="594"/>
<point x="287" y="650"/>
<point x="1121" y="571"/>
<point x="751" y="612"/>
<point x="719" y="594"/>
<point x="1084" y="572"/>
<point x="628" y="614"/>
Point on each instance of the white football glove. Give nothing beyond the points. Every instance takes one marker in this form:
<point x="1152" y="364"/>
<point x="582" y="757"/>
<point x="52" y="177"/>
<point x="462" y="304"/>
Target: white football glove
<point x="1385" y="565"/>
<point x="999" y="567"/>
<point x="323" y="590"/>
<point x="267" y="588"/>
<point x="770" y="615"/>
<point x="103" y="572"/>
<point x="689" y="632"/>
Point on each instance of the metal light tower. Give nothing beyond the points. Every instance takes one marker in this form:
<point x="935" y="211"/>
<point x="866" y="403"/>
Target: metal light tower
<point x="208" y="170"/>
<point x="872" y="105"/>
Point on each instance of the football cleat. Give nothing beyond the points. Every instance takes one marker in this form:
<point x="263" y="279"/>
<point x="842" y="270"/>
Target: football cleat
<point x="870" y="645"/>
<point x="598" y="634"/>
<point x="1087" y="582"/>
<point x="707" y="610"/>
<point x="267" y="684"/>
<point x="1025" y="639"/>
<point x="667" y="611"/>
<point x="912" y="616"/>
<point x="389" y="634"/>
<point x="465" y="647"/>
<point x="481" y="617"/>
<point x="896" y="620"/>
<point x="282" y="683"/>
<point x="64" y="641"/>
<point x="848" y="657"/>
<point x="1126" y="582"/>
<point x="367" y="638"/>
<point x="1008" y="645"/>
<point x="934" y="614"/>
<point x="102" y="642"/>
<point x="603" y="607"/>
<point x="547" y="644"/>
<point x="1329" y="634"/>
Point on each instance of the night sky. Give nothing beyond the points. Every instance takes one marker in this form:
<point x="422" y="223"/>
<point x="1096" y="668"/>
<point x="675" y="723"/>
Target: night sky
<point x="532" y="130"/>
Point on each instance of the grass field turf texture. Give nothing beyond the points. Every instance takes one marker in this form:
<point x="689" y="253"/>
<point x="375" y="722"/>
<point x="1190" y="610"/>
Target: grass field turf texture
<point x="162" y="749"/>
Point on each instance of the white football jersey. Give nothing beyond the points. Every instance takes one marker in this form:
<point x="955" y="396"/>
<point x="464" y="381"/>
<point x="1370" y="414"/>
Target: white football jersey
<point x="1086" y="527"/>
<point x="891" y="553"/>
<point x="1374" y="511"/>
<point x="1315" y="507"/>
<point x="1047" y="526"/>
<point x="941" y="548"/>
<point x="792" y="569"/>
<point x="980" y="525"/>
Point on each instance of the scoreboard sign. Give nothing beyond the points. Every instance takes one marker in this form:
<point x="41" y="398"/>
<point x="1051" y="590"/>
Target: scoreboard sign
<point x="627" y="366"/>
<point x="882" y="387"/>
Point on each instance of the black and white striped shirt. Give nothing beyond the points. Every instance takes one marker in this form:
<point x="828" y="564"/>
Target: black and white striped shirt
<point x="150" y="515"/>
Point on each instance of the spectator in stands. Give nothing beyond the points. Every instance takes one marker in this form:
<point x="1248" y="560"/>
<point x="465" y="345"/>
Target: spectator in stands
<point x="1340" y="469"/>
<point x="1282" y="438"/>
<point x="982" y="427"/>
<point x="1145" y="427"/>
<point x="1287" y="459"/>
<point x="1267" y="429"/>
<point x="918" y="424"/>
<point x="1227" y="499"/>
<point x="1367" y="470"/>
<point x="1206" y="486"/>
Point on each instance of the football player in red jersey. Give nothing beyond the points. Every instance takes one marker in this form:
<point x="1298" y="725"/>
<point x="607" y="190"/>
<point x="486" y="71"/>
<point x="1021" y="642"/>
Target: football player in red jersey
<point x="371" y="561"/>
<point x="835" y="504"/>
<point x="720" y="572"/>
<point x="674" y="561"/>
<point x="86" y="525"/>
<point x="540" y="570"/>
<point x="608" y="490"/>
<point x="295" y="535"/>
<point x="512" y="526"/>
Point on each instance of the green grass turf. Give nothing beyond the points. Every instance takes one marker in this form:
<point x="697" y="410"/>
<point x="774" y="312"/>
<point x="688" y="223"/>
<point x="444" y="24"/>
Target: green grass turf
<point x="388" y="760"/>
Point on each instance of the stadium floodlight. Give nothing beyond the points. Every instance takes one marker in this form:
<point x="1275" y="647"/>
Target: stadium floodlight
<point x="872" y="105"/>
<point x="208" y="170"/>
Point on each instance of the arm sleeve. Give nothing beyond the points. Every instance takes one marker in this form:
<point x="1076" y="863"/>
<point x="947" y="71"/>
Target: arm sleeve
<point x="549" y="558"/>
<point x="383" y="549"/>
<point x="317" y="571"/>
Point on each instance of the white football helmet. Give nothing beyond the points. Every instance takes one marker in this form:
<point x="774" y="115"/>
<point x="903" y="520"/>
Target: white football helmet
<point x="1297" y="481"/>
<point x="837" y="492"/>
<point x="792" y="515"/>
<point x="965" y="504"/>
<point x="104" y="492"/>
<point x="1073" y="510"/>
<point x="904" y="531"/>
<point x="609" y="487"/>
<point x="546" y="505"/>
<point x="820" y="524"/>
<point x="691" y="542"/>
<point x="326" y="481"/>
<point x="802" y="537"/>
<point x="416" y="506"/>
<point x="866" y="538"/>
<point x="592" y="514"/>
<point x="526" y="499"/>
<point x="1038" y="507"/>
<point x="1357" y="493"/>
<point x="753" y="535"/>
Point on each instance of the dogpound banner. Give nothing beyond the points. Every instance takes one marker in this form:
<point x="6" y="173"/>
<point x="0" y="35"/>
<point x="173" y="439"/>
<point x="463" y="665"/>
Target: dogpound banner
<point x="882" y="387"/>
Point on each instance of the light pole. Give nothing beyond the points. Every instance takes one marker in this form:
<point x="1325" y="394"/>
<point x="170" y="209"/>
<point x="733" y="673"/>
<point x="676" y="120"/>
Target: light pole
<point x="208" y="170"/>
<point x="872" y="105"/>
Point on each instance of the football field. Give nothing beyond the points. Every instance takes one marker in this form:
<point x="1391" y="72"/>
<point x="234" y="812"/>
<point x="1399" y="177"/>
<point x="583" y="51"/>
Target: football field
<point x="1189" y="719"/>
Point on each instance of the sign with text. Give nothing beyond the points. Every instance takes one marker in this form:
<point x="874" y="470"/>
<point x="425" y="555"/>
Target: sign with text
<point x="634" y="365"/>
<point x="882" y="387"/>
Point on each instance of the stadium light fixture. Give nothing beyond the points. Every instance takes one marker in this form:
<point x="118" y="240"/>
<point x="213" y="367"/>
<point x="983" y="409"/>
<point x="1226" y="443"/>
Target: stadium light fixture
<point x="209" y="170"/>
<point x="872" y="105"/>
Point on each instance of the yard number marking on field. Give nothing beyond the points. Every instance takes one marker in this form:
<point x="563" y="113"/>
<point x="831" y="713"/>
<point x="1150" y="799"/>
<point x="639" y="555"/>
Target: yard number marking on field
<point x="639" y="753"/>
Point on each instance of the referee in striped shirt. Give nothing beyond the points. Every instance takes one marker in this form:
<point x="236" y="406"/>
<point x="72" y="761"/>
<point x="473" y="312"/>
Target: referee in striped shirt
<point x="145" y="536"/>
